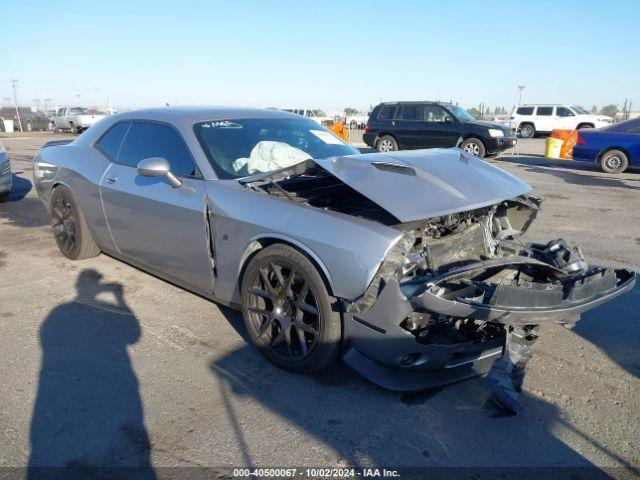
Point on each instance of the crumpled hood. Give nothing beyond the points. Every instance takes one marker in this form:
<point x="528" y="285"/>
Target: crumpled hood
<point x="421" y="184"/>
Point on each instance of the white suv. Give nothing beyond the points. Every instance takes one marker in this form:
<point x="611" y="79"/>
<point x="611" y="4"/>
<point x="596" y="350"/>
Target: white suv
<point x="532" y="119"/>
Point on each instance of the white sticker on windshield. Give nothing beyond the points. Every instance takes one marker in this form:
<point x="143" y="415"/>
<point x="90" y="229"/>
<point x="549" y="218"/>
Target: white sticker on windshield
<point x="221" y="124"/>
<point x="327" y="137"/>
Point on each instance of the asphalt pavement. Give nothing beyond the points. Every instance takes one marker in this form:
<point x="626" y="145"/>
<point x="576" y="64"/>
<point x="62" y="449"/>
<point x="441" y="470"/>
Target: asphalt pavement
<point x="157" y="376"/>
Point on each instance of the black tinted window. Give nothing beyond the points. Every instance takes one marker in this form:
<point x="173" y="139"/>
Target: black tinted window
<point x="110" y="143"/>
<point x="564" y="112"/>
<point x="545" y="111"/>
<point x="386" y="113"/>
<point x="146" y="140"/>
<point x="524" y="111"/>
<point x="412" y="112"/>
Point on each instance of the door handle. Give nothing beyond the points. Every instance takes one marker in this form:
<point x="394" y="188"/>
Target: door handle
<point x="111" y="179"/>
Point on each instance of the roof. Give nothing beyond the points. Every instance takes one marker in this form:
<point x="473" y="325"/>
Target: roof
<point x="193" y="114"/>
<point x="409" y="102"/>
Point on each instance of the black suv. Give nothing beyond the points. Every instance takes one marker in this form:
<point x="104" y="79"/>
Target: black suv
<point x="408" y="125"/>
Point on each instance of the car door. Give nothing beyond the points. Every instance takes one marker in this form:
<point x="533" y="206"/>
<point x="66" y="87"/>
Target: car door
<point x="151" y="222"/>
<point x="544" y="119"/>
<point x="58" y="120"/>
<point x="439" y="129"/>
<point x="408" y="126"/>
<point x="565" y="118"/>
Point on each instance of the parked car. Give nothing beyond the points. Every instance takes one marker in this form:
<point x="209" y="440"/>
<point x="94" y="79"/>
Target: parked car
<point x="6" y="177"/>
<point x="317" y="115"/>
<point x="357" y="121"/>
<point x="411" y="125"/>
<point x="401" y="262"/>
<point x="613" y="148"/>
<point x="75" y="119"/>
<point x="530" y="120"/>
<point x="30" y="120"/>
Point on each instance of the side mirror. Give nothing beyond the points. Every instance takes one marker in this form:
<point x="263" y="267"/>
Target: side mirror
<point x="157" y="167"/>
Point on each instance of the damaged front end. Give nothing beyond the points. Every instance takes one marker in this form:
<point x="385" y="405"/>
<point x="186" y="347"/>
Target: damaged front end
<point x="459" y="296"/>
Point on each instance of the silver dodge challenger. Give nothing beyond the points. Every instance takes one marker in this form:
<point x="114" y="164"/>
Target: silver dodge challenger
<point x="405" y="264"/>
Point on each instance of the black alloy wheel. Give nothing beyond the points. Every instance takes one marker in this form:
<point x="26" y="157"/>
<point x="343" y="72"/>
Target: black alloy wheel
<point x="287" y="310"/>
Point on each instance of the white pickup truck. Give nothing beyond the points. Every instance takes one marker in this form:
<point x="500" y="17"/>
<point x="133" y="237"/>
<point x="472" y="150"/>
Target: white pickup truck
<point x="75" y="119"/>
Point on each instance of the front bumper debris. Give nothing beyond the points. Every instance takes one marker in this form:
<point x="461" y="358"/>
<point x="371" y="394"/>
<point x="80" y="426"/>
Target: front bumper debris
<point x="501" y="309"/>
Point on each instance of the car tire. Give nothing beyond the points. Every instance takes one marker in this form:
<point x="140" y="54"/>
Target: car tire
<point x="4" y="197"/>
<point x="69" y="226"/>
<point x="474" y="146"/>
<point x="387" y="144"/>
<point x="527" y="130"/>
<point x="614" y="161"/>
<point x="73" y="128"/>
<point x="582" y="126"/>
<point x="288" y="311"/>
<point x="29" y="127"/>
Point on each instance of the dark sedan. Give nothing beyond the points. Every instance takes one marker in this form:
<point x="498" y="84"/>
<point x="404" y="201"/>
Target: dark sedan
<point x="412" y="125"/>
<point x="612" y="148"/>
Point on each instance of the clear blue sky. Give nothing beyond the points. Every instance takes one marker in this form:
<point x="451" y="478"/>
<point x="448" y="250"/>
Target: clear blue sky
<point x="320" y="53"/>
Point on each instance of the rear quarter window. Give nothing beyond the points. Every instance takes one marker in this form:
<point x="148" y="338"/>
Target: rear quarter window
<point x="525" y="111"/>
<point x="545" y="111"/>
<point x="387" y="113"/>
<point x="110" y="142"/>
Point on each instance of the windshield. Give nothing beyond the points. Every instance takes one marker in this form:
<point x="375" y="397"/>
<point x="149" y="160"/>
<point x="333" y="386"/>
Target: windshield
<point x="579" y="110"/>
<point x="240" y="147"/>
<point x="461" y="114"/>
<point x="319" y="113"/>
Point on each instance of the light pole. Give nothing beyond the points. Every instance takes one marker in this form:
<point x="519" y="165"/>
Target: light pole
<point x="15" y="101"/>
<point x="520" y="88"/>
<point x="46" y="105"/>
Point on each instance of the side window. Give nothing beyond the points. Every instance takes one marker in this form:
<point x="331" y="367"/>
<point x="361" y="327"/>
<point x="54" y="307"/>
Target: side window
<point x="145" y="140"/>
<point x="525" y="111"/>
<point x="434" y="113"/>
<point x="111" y="141"/>
<point x="386" y="113"/>
<point x="564" y="112"/>
<point x="545" y="111"/>
<point x="60" y="112"/>
<point x="411" y="112"/>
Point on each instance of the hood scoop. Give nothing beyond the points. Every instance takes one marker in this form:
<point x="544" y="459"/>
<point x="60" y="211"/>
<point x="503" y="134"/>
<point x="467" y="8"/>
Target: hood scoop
<point x="395" y="168"/>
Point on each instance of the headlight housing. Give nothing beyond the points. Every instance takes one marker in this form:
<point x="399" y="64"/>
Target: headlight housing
<point x="496" y="133"/>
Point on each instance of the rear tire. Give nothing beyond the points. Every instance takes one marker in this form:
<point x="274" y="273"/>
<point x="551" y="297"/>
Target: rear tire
<point x="474" y="146"/>
<point x="527" y="130"/>
<point x="614" y="161"/>
<point x="288" y="311"/>
<point x="69" y="227"/>
<point x="387" y="144"/>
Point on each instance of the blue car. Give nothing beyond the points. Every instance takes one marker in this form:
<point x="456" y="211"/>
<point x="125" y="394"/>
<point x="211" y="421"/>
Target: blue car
<point x="612" y="148"/>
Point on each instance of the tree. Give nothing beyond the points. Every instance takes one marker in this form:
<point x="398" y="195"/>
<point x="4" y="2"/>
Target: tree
<point x="350" y="111"/>
<point x="474" y="112"/>
<point x="594" y="109"/>
<point x="609" y="111"/>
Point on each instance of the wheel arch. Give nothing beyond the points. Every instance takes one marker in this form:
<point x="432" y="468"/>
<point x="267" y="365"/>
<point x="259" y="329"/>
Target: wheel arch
<point x="384" y="134"/>
<point x="585" y="124"/>
<point x="260" y="242"/>
<point x="609" y="148"/>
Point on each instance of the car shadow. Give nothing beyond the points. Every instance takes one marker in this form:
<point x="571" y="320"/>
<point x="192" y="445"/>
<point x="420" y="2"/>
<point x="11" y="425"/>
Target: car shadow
<point x="88" y="415"/>
<point x="444" y="430"/>
<point x="21" y="210"/>
<point x="615" y="328"/>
